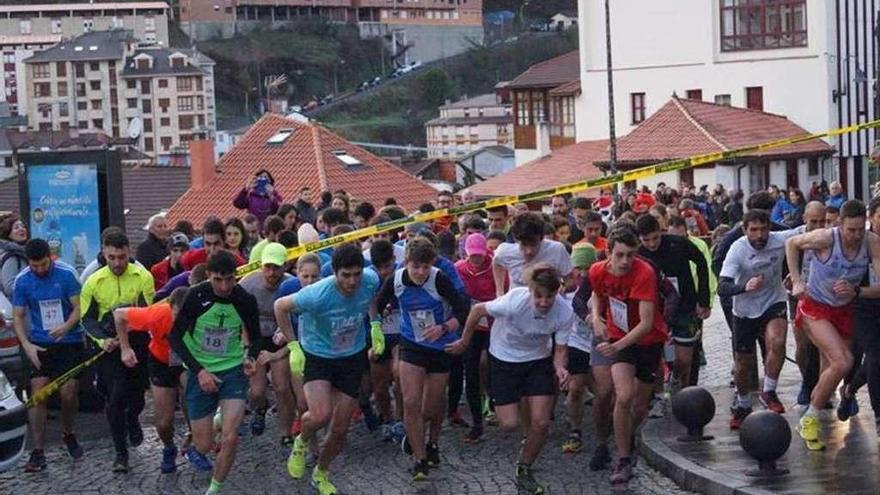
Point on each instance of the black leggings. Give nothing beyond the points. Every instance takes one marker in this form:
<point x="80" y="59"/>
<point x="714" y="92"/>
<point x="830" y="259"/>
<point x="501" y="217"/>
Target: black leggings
<point x="479" y="343"/>
<point x="456" y="383"/>
<point x="123" y="389"/>
<point x="866" y="343"/>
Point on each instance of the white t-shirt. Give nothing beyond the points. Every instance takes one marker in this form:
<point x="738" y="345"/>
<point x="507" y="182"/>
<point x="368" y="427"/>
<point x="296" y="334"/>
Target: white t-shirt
<point x="509" y="257"/>
<point x="520" y="334"/>
<point x="581" y="336"/>
<point x="744" y="262"/>
<point x="399" y="254"/>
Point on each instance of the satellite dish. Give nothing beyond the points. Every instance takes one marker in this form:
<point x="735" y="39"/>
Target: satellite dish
<point x="135" y="126"/>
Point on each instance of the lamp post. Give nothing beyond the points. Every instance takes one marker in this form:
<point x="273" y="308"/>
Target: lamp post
<point x="611" y="134"/>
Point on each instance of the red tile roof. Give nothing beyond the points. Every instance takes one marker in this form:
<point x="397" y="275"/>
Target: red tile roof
<point x="550" y="73"/>
<point x="568" y="164"/>
<point x="306" y="158"/>
<point x="683" y="128"/>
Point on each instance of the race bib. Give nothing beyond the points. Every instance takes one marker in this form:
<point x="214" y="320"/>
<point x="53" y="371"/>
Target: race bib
<point x="215" y="340"/>
<point x="421" y="320"/>
<point x="619" y="314"/>
<point x="674" y="282"/>
<point x="343" y="339"/>
<point x="51" y="314"/>
<point x="391" y="323"/>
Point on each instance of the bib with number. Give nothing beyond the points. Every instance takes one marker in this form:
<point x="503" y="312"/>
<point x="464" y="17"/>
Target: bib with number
<point x="619" y="314"/>
<point x="51" y="314"/>
<point x="391" y="323"/>
<point x="421" y="320"/>
<point x="343" y="339"/>
<point x="215" y="340"/>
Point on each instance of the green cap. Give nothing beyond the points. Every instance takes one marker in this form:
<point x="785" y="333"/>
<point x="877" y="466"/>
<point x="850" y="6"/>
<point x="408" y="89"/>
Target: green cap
<point x="583" y="255"/>
<point x="274" y="254"/>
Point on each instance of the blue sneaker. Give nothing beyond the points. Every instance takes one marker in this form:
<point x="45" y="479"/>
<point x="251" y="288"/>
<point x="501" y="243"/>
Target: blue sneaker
<point x="397" y="432"/>
<point x="371" y="420"/>
<point x="197" y="460"/>
<point x="258" y="424"/>
<point x="169" y="453"/>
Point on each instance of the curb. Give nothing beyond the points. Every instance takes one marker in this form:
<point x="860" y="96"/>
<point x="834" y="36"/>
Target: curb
<point x="686" y="473"/>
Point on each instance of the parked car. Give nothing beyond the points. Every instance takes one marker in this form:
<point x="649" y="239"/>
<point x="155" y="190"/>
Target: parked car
<point x="13" y="425"/>
<point x="376" y="81"/>
<point x="11" y="358"/>
<point x="363" y="86"/>
<point x="415" y="65"/>
<point x="325" y="100"/>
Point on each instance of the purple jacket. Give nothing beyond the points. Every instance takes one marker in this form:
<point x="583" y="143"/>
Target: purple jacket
<point x="259" y="205"/>
<point x="179" y="280"/>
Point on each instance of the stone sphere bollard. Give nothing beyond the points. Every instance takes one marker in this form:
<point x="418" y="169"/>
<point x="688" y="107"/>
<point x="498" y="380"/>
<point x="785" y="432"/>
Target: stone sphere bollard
<point x="694" y="408"/>
<point x="765" y="436"/>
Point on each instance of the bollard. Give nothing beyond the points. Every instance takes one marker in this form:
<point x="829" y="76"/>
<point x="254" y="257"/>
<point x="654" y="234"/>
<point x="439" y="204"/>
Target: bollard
<point x="694" y="408"/>
<point x="765" y="436"/>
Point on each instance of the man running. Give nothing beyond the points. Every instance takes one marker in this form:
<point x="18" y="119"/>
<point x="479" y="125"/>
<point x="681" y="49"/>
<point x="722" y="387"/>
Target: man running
<point x="120" y="283"/>
<point x="48" y="292"/>
<point x="210" y="333"/>
<point x="263" y="285"/>
<point x="424" y="295"/>
<point x="630" y="330"/>
<point x="331" y="354"/>
<point x="752" y="275"/>
<point x="164" y="366"/>
<point x="841" y="258"/>
<point x="527" y="356"/>
<point x="530" y="248"/>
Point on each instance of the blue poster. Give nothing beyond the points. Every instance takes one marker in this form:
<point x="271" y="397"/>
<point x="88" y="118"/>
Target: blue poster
<point x="64" y="210"/>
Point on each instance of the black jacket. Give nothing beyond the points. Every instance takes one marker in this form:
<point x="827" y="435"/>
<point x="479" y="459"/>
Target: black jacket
<point x="151" y="251"/>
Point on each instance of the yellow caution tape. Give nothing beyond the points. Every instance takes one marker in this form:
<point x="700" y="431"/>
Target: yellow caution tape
<point x="630" y="175"/>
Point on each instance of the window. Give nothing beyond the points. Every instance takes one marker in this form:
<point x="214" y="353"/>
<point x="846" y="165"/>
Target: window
<point x="94" y="66"/>
<point x="63" y="109"/>
<point x="56" y="26"/>
<point x="118" y="22"/>
<point x="166" y="143"/>
<point x="80" y="89"/>
<point x="185" y="122"/>
<point x="80" y="69"/>
<point x="62" y="88"/>
<point x="42" y="90"/>
<point x="88" y="24"/>
<point x="96" y="104"/>
<point x="763" y="24"/>
<point x="185" y="103"/>
<point x="147" y="106"/>
<point x="24" y="26"/>
<point x="280" y="136"/>
<point x="178" y="61"/>
<point x="637" y="107"/>
<point x="200" y="103"/>
<point x="163" y="83"/>
<point x="95" y="85"/>
<point x="755" y="98"/>
<point x="347" y="159"/>
<point x="131" y="84"/>
<point x="131" y="103"/>
<point x="148" y="144"/>
<point x="813" y="168"/>
<point x="82" y="105"/>
<point x="148" y="125"/>
<point x="695" y="94"/>
<point x="41" y="71"/>
<point x="142" y="63"/>
<point x="61" y="69"/>
<point x="522" y="108"/>
<point x="150" y="23"/>
<point x="145" y="87"/>
<point x="164" y="122"/>
<point x="45" y="110"/>
<point x="201" y="120"/>
<point x="198" y="83"/>
<point x="98" y="123"/>
<point x="164" y="103"/>
<point x="184" y="84"/>
<point x="722" y="100"/>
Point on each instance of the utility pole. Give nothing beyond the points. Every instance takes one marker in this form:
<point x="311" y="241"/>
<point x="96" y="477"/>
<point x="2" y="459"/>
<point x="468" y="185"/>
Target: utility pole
<point x="611" y="134"/>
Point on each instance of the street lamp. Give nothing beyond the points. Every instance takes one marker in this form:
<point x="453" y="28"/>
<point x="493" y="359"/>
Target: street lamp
<point x="611" y="134"/>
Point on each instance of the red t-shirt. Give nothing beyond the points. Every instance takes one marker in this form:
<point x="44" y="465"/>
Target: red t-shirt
<point x="621" y="296"/>
<point x="157" y="320"/>
<point x="644" y="202"/>
<point x="194" y="257"/>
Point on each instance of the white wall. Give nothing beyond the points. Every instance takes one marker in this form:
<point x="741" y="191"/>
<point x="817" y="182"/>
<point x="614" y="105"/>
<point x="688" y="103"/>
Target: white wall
<point x="525" y="155"/>
<point x="777" y="174"/>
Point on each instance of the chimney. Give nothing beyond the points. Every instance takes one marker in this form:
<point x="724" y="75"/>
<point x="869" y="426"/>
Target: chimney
<point x="201" y="154"/>
<point x="542" y="138"/>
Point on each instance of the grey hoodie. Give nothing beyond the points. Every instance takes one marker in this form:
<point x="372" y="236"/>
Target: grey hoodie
<point x="13" y="261"/>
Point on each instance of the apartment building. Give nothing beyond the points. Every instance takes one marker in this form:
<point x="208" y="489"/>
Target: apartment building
<point x="15" y="49"/>
<point x="469" y="124"/>
<point x="104" y="81"/>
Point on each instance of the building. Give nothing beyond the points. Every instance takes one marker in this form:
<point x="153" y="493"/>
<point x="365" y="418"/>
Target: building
<point x="682" y="128"/>
<point x="148" y="21"/>
<point x="544" y="100"/>
<point x="15" y="49"/>
<point x="298" y="154"/>
<point x="415" y="30"/>
<point x="484" y="164"/>
<point x="810" y="60"/>
<point x="563" y="21"/>
<point x="103" y="81"/>
<point x="468" y="125"/>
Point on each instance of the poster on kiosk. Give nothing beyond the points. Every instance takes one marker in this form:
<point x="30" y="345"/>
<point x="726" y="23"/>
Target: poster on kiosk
<point x="68" y="198"/>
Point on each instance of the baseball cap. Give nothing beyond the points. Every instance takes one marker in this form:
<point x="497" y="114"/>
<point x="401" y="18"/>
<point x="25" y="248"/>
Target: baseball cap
<point x="274" y="254"/>
<point x="583" y="255"/>
<point x="475" y="245"/>
<point x="178" y="239"/>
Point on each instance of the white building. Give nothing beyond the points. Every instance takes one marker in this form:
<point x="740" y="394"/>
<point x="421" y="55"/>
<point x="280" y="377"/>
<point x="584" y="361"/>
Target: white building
<point x="468" y="125"/>
<point x="810" y="60"/>
<point x="564" y="21"/>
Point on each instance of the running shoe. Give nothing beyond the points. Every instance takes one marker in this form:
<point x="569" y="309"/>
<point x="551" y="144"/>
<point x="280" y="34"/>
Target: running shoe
<point x="573" y="444"/>
<point x="808" y="428"/>
<point x="621" y="473"/>
<point x="658" y="408"/>
<point x="385" y="432"/>
<point x="398" y="431"/>
<point x="420" y="471"/>
<point x="490" y="418"/>
<point x="601" y="458"/>
<point x="296" y="463"/>
<point x="432" y="453"/>
<point x="36" y="462"/>
<point x="405" y="446"/>
<point x="286" y="446"/>
<point x="73" y="447"/>
<point x="120" y="464"/>
<point x="197" y="460"/>
<point x="525" y="481"/>
<point x="371" y="420"/>
<point x="258" y="423"/>
<point x="457" y="419"/>
<point x="321" y="482"/>
<point x="169" y="454"/>
<point x="771" y="402"/>
<point x="739" y="415"/>
<point x="135" y="433"/>
<point x="848" y="406"/>
<point x="474" y="435"/>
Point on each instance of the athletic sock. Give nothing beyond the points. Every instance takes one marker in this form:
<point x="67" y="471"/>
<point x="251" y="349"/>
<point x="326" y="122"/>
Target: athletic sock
<point x="812" y="411"/>
<point x="743" y="401"/>
<point x="769" y="384"/>
<point x="215" y="486"/>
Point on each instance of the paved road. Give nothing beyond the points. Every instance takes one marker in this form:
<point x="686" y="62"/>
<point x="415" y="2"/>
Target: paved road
<point x="366" y="466"/>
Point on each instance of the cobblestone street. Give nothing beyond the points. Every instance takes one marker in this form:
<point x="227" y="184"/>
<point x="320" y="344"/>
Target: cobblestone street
<point x="366" y="466"/>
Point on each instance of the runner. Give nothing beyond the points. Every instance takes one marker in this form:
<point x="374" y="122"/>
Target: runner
<point x="841" y="258"/>
<point x="119" y="283"/>
<point x="165" y="368"/>
<point x="591" y="224"/>
<point x="47" y="294"/>
<point x="752" y="275"/>
<point x="530" y="249"/>
<point x="214" y="239"/>
<point x="331" y="354"/>
<point x="210" y="333"/>
<point x="525" y="365"/>
<point x="262" y="286"/>
<point x="425" y="296"/>
<point x="629" y="330"/>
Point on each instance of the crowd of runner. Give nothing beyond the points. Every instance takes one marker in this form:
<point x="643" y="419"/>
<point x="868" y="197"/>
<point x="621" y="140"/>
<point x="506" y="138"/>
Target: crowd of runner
<point x="514" y="308"/>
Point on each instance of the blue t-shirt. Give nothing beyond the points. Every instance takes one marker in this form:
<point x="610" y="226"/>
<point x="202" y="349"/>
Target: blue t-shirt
<point x="332" y="325"/>
<point x="448" y="269"/>
<point x="48" y="301"/>
<point x="287" y="288"/>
